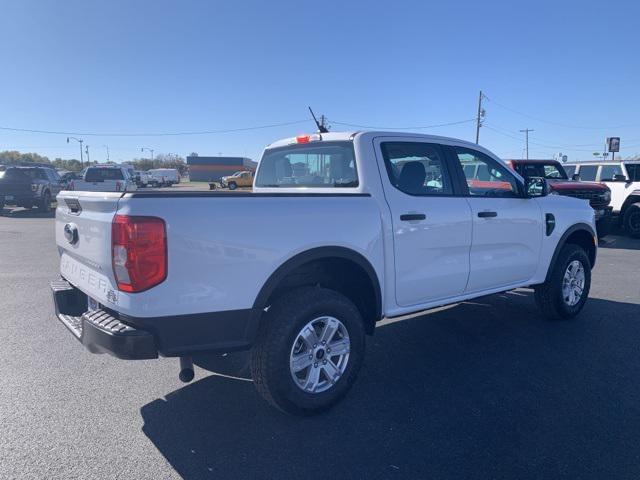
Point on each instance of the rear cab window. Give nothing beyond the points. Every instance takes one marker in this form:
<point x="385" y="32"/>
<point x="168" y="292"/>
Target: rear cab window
<point x="102" y="174"/>
<point x="310" y="165"/>
<point x="13" y="174"/>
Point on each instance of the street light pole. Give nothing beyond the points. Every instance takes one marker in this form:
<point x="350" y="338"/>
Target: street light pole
<point x="107" y="147"/>
<point x="79" y="140"/>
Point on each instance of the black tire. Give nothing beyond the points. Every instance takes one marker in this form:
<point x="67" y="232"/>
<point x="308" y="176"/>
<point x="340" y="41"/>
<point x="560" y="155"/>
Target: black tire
<point x="549" y="295"/>
<point x="278" y="332"/>
<point x="232" y="185"/>
<point x="631" y="220"/>
<point x="45" y="204"/>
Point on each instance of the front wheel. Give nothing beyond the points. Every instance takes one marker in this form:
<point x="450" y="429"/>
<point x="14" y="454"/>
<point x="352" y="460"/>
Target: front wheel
<point x="309" y="350"/>
<point x="631" y="220"/>
<point x="232" y="185"/>
<point x="566" y="290"/>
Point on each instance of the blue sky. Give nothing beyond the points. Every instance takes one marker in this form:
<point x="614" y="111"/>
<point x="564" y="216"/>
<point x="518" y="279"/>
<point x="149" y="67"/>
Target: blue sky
<point x="570" y="68"/>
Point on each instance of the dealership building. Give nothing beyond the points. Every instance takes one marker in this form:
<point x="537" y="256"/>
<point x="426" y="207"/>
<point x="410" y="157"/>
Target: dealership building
<point x="211" y="169"/>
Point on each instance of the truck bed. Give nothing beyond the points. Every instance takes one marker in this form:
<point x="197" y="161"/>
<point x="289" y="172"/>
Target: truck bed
<point x="222" y="247"/>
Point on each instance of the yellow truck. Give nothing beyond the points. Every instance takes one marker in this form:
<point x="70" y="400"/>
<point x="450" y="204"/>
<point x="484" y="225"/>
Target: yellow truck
<point x="239" y="179"/>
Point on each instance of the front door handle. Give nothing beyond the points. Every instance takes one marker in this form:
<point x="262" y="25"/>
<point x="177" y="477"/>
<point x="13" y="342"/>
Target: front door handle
<point x="487" y="214"/>
<point x="408" y="217"/>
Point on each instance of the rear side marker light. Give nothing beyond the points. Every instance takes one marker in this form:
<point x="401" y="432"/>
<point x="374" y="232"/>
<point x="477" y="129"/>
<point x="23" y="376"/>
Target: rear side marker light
<point x="138" y="252"/>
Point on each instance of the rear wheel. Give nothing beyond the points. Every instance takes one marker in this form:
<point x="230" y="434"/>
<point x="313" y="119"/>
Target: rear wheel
<point x="45" y="204"/>
<point x="309" y="350"/>
<point x="631" y="220"/>
<point x="565" y="292"/>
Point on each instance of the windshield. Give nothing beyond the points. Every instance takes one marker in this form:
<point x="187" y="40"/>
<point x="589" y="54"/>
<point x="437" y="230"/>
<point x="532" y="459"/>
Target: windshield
<point x="328" y="164"/>
<point x="549" y="171"/>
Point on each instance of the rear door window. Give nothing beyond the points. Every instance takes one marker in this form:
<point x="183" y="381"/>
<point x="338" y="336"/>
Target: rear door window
<point x="416" y="168"/>
<point x="608" y="172"/>
<point x="633" y="169"/>
<point x="588" y="172"/>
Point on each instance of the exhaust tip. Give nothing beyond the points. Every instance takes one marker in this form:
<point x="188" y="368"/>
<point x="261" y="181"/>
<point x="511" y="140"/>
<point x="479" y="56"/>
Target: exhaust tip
<point x="186" y="369"/>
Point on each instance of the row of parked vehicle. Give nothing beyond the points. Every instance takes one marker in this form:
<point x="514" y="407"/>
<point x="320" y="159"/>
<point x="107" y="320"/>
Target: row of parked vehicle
<point x="36" y="185"/>
<point x="611" y="188"/>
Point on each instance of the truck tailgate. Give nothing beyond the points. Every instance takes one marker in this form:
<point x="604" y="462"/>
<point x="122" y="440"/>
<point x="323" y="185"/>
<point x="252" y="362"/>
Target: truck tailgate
<point x="83" y="236"/>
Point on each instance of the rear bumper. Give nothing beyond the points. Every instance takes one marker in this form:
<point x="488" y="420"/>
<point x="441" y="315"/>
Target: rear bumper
<point x="134" y="338"/>
<point x="16" y="198"/>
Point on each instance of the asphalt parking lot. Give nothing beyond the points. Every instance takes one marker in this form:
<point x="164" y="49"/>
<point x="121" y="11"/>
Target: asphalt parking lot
<point x="484" y="389"/>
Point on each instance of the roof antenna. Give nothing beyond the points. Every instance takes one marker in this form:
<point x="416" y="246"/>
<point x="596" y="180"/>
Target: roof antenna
<point x="322" y="128"/>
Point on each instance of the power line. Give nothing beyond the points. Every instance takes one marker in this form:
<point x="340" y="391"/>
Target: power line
<point x="162" y="134"/>
<point x="559" y="124"/>
<point x="402" y="128"/>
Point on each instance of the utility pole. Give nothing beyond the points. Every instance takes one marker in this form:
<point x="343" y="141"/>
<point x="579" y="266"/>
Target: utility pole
<point x="86" y="150"/>
<point x="526" y="134"/>
<point x="479" y="117"/>
<point x="79" y="140"/>
<point x="107" y="147"/>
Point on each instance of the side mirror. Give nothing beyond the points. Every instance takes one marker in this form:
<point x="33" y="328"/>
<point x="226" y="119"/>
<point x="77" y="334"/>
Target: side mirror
<point x="576" y="177"/>
<point x="619" y="178"/>
<point x="536" y="187"/>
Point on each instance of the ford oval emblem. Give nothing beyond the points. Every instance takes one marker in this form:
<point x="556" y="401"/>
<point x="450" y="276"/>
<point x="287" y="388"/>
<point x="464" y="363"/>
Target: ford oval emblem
<point x="71" y="233"/>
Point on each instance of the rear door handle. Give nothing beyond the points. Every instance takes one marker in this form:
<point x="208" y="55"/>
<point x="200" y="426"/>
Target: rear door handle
<point x="408" y="217"/>
<point x="487" y="214"/>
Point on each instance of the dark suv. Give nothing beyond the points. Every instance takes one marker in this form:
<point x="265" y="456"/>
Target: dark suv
<point x="29" y="186"/>
<point x="597" y="194"/>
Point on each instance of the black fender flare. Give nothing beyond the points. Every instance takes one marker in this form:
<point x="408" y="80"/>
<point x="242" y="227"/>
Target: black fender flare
<point x="563" y="240"/>
<point x="319" y="253"/>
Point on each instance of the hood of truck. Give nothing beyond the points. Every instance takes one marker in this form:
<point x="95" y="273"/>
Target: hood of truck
<point x="563" y="185"/>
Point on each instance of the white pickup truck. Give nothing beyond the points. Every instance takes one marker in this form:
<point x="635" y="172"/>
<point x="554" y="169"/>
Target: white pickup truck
<point x="341" y="230"/>
<point x="105" y="178"/>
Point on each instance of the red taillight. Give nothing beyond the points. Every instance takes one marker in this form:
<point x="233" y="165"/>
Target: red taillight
<point x="138" y="252"/>
<point x="118" y="186"/>
<point x="71" y="185"/>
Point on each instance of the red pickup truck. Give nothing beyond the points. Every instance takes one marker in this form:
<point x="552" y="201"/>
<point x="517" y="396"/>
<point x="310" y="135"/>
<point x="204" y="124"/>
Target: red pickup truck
<point x="598" y="194"/>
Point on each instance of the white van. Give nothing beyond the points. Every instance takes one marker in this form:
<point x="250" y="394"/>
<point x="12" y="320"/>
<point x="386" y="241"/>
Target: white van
<point x="164" y="177"/>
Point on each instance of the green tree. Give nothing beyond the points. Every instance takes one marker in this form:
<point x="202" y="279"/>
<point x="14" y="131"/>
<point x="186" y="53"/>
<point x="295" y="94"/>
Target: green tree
<point x="13" y="157"/>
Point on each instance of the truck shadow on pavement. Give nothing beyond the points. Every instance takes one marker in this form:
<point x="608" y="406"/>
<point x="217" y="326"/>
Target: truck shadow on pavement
<point x="26" y="213"/>
<point x="621" y="241"/>
<point x="485" y="389"/>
